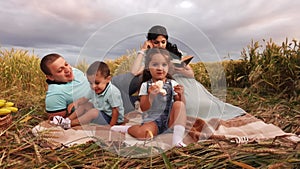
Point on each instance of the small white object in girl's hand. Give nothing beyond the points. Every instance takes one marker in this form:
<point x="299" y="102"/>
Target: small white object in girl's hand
<point x="160" y="85"/>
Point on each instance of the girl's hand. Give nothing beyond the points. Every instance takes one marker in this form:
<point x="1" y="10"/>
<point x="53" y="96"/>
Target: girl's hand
<point x="179" y="89"/>
<point x="153" y="90"/>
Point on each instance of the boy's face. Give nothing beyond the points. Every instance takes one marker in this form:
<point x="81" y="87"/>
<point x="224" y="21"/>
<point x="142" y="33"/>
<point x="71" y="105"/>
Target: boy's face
<point x="158" y="67"/>
<point x="98" y="82"/>
<point x="61" y="71"/>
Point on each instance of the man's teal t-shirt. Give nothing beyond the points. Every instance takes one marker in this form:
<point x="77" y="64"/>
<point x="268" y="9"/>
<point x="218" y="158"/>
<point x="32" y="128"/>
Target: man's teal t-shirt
<point x="59" y="96"/>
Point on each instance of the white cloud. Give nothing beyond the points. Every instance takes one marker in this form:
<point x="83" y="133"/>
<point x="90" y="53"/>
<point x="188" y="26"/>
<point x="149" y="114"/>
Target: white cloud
<point x="65" y="25"/>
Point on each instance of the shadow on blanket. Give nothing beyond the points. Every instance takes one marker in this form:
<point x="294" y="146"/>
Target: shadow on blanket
<point x="242" y="129"/>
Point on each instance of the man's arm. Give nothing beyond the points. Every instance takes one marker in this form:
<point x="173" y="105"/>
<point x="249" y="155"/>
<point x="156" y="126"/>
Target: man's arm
<point x="56" y="105"/>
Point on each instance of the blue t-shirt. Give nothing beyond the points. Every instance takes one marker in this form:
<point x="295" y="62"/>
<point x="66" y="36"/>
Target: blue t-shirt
<point x="59" y="96"/>
<point x="109" y="98"/>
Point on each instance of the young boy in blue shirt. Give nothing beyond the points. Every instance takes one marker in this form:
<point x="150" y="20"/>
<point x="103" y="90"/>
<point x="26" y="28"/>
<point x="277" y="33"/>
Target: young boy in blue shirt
<point x="103" y="105"/>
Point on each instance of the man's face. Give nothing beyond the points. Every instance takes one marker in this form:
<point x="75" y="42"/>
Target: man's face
<point x="61" y="71"/>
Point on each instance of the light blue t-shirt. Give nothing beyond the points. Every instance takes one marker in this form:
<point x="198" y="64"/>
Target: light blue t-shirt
<point x="59" y="96"/>
<point x="109" y="98"/>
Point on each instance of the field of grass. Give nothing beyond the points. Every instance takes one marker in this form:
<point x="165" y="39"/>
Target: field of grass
<point x="266" y="84"/>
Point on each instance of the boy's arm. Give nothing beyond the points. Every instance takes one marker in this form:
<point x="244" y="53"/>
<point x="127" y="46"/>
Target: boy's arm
<point x="114" y="116"/>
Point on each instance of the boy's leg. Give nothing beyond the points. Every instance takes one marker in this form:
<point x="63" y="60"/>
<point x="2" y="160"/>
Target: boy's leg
<point x="85" y="118"/>
<point x="81" y="110"/>
<point x="102" y="119"/>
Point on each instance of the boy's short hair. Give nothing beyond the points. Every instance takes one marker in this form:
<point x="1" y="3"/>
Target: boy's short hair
<point x="46" y="60"/>
<point x="98" y="66"/>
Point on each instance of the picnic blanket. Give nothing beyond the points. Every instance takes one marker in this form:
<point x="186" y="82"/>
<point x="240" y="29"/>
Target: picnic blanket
<point x="242" y="129"/>
<point x="57" y="137"/>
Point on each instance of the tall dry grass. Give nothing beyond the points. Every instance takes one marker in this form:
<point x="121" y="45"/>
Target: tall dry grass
<point x="274" y="68"/>
<point x="23" y="83"/>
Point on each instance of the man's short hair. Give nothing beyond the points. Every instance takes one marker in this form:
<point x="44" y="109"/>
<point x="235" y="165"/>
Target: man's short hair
<point x="47" y="60"/>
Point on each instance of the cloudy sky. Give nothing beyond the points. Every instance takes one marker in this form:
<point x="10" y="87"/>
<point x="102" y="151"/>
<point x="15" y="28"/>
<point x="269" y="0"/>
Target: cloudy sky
<point x="208" y="29"/>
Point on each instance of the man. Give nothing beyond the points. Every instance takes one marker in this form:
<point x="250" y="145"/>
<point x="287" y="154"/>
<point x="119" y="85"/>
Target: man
<point x="65" y="85"/>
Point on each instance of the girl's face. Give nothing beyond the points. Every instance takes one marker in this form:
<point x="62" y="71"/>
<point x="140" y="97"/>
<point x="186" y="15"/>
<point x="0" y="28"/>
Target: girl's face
<point x="98" y="82"/>
<point x="159" y="42"/>
<point x="158" y="67"/>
